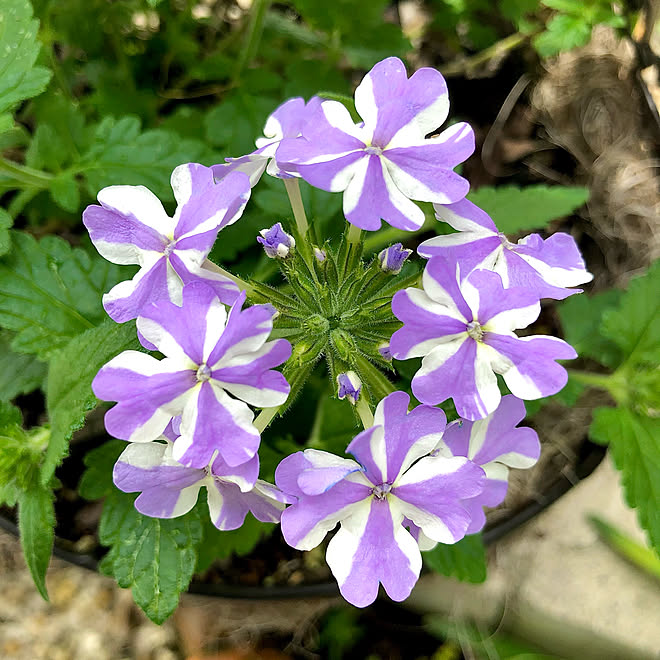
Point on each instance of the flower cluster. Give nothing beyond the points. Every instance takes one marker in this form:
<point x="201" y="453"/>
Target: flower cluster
<point x="414" y="480"/>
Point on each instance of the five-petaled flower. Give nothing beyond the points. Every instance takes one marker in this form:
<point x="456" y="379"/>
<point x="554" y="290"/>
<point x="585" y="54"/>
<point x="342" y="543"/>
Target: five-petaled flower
<point x="545" y="267"/>
<point x="132" y="227"/>
<point x="464" y="331"/>
<point x="168" y="489"/>
<point x="385" y="162"/>
<point x="393" y="482"/>
<point x="209" y="356"/>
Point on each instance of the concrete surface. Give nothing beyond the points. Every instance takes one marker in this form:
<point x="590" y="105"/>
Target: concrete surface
<point x="555" y="583"/>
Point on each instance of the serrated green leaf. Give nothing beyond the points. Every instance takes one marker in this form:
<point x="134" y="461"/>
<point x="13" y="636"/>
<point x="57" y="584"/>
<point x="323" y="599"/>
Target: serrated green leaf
<point x="19" y="374"/>
<point x="96" y="481"/>
<point x="222" y="545"/>
<point x="562" y="33"/>
<point x="6" y="223"/>
<point x="69" y="396"/>
<point x="51" y="292"/>
<point x="65" y="192"/>
<point x="155" y="558"/>
<point x="581" y="317"/>
<point x="634" y="442"/>
<point x="516" y="209"/>
<point x="121" y="154"/>
<point x="47" y="151"/>
<point x="19" y="48"/>
<point x="634" y="325"/>
<point x="36" y="523"/>
<point x="465" y="560"/>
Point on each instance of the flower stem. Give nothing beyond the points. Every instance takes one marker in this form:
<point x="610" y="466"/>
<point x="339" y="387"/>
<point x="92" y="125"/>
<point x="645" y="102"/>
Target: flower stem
<point x="26" y="175"/>
<point x="354" y="234"/>
<point x="265" y="417"/>
<point x="242" y="284"/>
<point x="293" y="191"/>
<point x="364" y="411"/>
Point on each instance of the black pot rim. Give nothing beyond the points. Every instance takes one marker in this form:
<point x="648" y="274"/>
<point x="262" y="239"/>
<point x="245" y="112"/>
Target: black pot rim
<point x="592" y="457"/>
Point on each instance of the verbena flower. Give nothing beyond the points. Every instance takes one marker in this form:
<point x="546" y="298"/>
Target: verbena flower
<point x="546" y="267"/>
<point x="168" y="489"/>
<point x="393" y="480"/>
<point x="464" y="332"/>
<point x="214" y="365"/>
<point x="496" y="444"/>
<point x="132" y="227"/>
<point x="277" y="243"/>
<point x="385" y="162"/>
<point x="287" y="121"/>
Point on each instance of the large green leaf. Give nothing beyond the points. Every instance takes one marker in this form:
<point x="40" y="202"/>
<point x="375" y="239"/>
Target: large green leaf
<point x="634" y="442"/>
<point x="19" y="374"/>
<point x="155" y="558"/>
<point x="36" y="523"/>
<point x="465" y="560"/>
<point x="6" y="223"/>
<point x="51" y="292"/>
<point x="70" y="374"/>
<point x="516" y="209"/>
<point x="96" y="481"/>
<point x="19" y="48"/>
<point x="122" y="154"/>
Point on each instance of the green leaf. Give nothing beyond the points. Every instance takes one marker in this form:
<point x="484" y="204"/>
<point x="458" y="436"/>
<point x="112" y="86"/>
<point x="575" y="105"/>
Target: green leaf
<point x="50" y="292"/>
<point x="65" y="193"/>
<point x="155" y="558"/>
<point x="70" y="374"/>
<point x="121" y="154"/>
<point x="96" y="481"/>
<point x="6" y="223"/>
<point x="222" y="545"/>
<point x="562" y="33"/>
<point x="581" y="318"/>
<point x="634" y="442"/>
<point x="516" y="209"/>
<point x="36" y="523"/>
<point x="634" y="325"/>
<point x="19" y="374"/>
<point x="47" y="151"/>
<point x="465" y="560"/>
<point x="19" y="48"/>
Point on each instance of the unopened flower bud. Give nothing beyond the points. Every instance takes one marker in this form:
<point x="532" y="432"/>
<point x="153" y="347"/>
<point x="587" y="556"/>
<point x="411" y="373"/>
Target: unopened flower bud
<point x="320" y="254"/>
<point x="277" y="243"/>
<point x="385" y="353"/>
<point x="349" y="386"/>
<point x="391" y="259"/>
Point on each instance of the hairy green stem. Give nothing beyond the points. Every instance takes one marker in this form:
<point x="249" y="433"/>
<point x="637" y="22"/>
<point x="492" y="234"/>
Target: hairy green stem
<point x="354" y="234"/>
<point x="242" y="284"/>
<point x="25" y="175"/>
<point x="364" y="411"/>
<point x="265" y="417"/>
<point x="293" y="191"/>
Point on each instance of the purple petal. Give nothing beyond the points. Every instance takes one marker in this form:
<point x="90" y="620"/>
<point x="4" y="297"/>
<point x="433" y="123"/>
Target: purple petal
<point x="212" y="421"/>
<point x="305" y="524"/>
<point x="228" y="506"/>
<point x="372" y="195"/>
<point x="374" y="547"/>
<point x="190" y="271"/>
<point x="243" y="475"/>
<point x="533" y="372"/>
<point x="464" y="216"/>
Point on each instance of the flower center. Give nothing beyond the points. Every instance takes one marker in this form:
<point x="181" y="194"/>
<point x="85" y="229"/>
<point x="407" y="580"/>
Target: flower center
<point x="203" y="373"/>
<point x="373" y="151"/>
<point x="380" y="492"/>
<point x="169" y="248"/>
<point x="475" y="331"/>
<point x="506" y="243"/>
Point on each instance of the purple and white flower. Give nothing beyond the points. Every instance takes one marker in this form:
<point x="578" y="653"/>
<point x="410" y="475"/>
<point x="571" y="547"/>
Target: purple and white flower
<point x="392" y="481"/>
<point x="385" y="162"/>
<point x="496" y="444"/>
<point x="391" y="259"/>
<point x="277" y="243"/>
<point x="546" y="267"/>
<point x="287" y="121"/>
<point x="349" y="386"/>
<point x="168" y="489"/>
<point x="464" y="332"/>
<point x="214" y="365"/>
<point x="132" y="227"/>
